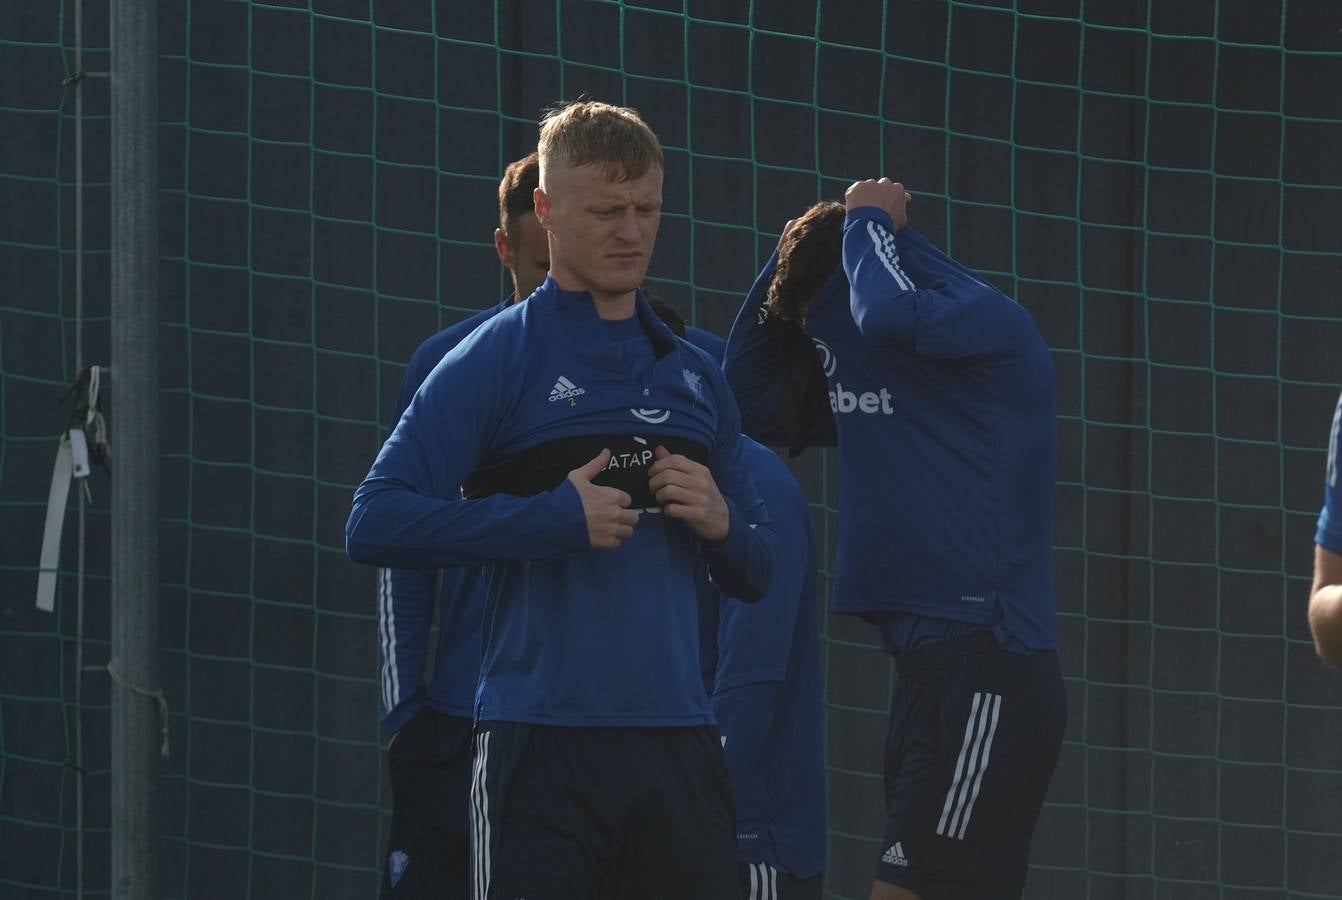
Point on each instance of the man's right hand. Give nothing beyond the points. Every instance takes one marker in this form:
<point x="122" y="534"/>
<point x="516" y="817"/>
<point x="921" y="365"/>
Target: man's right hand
<point x="609" y="518"/>
<point x="886" y="194"/>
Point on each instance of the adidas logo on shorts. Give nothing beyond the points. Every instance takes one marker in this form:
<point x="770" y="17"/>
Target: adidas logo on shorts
<point x="895" y="856"/>
<point x="565" y="390"/>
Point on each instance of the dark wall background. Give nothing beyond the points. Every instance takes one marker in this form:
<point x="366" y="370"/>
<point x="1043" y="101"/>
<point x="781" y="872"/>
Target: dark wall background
<point x="1156" y="181"/>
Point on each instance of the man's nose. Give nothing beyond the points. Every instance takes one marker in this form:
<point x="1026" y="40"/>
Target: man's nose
<point x="628" y="226"/>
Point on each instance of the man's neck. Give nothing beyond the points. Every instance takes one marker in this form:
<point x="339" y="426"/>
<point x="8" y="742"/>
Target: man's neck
<point x="608" y="306"/>
<point x="615" y="306"/>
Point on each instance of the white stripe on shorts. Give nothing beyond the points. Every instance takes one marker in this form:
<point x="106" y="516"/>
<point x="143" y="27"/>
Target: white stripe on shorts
<point x="983" y="765"/>
<point x="480" y="855"/>
<point x="970" y="765"/>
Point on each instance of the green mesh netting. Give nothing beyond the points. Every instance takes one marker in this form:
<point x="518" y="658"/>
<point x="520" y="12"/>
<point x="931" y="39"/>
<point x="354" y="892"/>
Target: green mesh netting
<point x="1154" y="181"/>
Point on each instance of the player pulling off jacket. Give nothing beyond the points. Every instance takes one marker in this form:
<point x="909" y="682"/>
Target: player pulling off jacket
<point x="595" y="461"/>
<point x="940" y="394"/>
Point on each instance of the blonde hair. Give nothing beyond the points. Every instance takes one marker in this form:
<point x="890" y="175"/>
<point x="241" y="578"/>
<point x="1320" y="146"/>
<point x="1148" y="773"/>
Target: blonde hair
<point x="587" y="132"/>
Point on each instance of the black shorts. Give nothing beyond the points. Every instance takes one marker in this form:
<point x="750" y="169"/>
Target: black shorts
<point x="761" y="881"/>
<point x="560" y="813"/>
<point x="975" y="732"/>
<point x="428" y="849"/>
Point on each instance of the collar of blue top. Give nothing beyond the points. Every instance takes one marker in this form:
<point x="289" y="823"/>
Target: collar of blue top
<point x="580" y="306"/>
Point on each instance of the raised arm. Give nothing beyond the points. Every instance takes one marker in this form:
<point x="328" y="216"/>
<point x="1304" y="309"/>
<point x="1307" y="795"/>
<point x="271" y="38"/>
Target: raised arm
<point x="753" y="364"/>
<point x="763" y="353"/>
<point x="907" y="294"/>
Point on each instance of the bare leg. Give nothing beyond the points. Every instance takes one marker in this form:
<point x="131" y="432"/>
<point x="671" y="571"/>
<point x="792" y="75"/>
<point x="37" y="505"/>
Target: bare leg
<point x="882" y="890"/>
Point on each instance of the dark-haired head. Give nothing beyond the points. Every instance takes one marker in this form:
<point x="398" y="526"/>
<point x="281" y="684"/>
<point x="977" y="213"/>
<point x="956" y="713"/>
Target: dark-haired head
<point x="808" y="253"/>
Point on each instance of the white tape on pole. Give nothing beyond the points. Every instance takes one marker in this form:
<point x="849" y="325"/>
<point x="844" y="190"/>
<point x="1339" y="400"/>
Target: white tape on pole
<point x="51" y="534"/>
<point x="79" y="450"/>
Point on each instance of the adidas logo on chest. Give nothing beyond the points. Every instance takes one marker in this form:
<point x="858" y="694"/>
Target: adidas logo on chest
<point x="565" y="390"/>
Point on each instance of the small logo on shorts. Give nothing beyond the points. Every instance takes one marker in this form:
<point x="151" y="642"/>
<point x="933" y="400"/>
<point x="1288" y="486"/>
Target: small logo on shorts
<point x="399" y="862"/>
<point x="895" y="856"/>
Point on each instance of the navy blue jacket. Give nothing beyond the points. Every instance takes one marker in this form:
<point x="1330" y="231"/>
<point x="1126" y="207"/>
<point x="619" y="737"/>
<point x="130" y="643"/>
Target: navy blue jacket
<point x="572" y="635"/>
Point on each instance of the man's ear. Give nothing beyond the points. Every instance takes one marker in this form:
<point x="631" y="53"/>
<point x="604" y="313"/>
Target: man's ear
<point x="542" y="202"/>
<point x="504" y="249"/>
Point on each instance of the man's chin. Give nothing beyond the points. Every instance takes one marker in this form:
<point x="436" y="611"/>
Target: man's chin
<point x="619" y="286"/>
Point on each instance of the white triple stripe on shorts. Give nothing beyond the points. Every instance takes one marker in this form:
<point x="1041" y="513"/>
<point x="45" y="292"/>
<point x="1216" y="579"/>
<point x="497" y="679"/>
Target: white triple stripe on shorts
<point x="386" y="620"/>
<point x="969" y="768"/>
<point x="763" y="882"/>
<point x="884" y="243"/>
<point x="481" y="855"/>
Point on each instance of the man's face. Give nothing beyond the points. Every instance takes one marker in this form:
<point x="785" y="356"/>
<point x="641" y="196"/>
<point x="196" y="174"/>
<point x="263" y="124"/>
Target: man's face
<point x="525" y="252"/>
<point x="601" y="231"/>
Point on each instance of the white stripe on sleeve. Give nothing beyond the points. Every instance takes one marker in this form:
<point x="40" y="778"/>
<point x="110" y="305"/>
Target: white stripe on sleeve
<point x="884" y="244"/>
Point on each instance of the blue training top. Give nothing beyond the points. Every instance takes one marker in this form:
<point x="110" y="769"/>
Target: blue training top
<point x="762" y="663"/>
<point x="572" y="635"/>
<point x="405" y="596"/>
<point x="1329" y="534"/>
<point x="942" y="394"/>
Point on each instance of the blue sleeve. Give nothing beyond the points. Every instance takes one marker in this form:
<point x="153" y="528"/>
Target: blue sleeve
<point x="753" y="364"/>
<point x="904" y="296"/>
<point x="408" y="512"/>
<point x="405" y="596"/>
<point x="755" y="640"/>
<point x="1329" y="534"/>
<point x="754" y="643"/>
<point x="404" y="618"/>
<point x="746" y="720"/>
<point x="740" y="565"/>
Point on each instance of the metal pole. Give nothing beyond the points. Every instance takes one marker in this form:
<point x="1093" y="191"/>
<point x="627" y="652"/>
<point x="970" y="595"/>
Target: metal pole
<point x="83" y="514"/>
<point x="133" y="431"/>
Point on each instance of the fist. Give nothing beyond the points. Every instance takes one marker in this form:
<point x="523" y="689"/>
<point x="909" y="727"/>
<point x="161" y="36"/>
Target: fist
<point x="886" y="194"/>
<point x="609" y="519"/>
<point x="686" y="490"/>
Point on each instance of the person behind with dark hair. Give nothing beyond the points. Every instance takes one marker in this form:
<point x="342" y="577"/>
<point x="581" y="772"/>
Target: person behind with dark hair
<point x="428" y="725"/>
<point x="1325" y="596"/>
<point x="595" y="463"/>
<point x="939" y="392"/>
<point x="519" y="240"/>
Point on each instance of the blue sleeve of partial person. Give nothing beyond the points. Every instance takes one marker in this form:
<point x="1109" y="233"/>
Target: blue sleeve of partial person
<point x="1329" y="534"/>
<point x="405" y="597"/>
<point x="907" y="294"/>
<point x="742" y="564"/>
<point x="409" y="513"/>
<point x="746" y="720"/>
<point x="755" y="640"/>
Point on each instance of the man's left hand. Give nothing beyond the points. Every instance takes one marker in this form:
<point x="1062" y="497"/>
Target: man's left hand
<point x="686" y="490"/>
